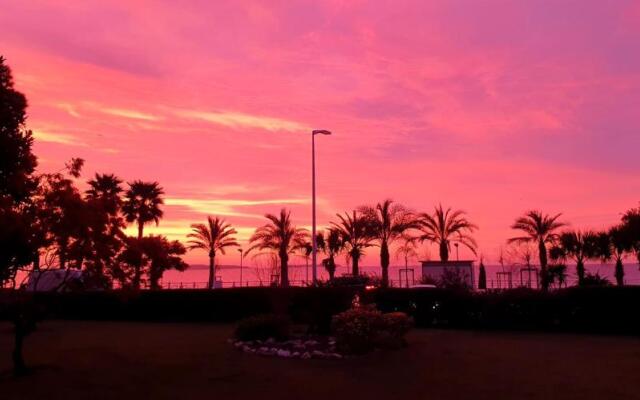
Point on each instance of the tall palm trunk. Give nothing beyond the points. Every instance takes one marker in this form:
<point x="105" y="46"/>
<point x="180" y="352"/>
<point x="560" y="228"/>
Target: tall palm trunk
<point x="284" y="268"/>
<point x="212" y="270"/>
<point x="332" y="270"/>
<point x="444" y="250"/>
<point x="355" y="258"/>
<point x="619" y="271"/>
<point x="138" y="268"/>
<point x="580" y="271"/>
<point x="384" y="263"/>
<point x="542" y="253"/>
<point x="154" y="278"/>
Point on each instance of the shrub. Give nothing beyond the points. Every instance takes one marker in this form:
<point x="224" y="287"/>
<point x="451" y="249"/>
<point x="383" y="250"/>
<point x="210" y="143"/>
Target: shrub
<point x="263" y="327"/>
<point x="364" y="328"/>
<point x="395" y="326"/>
<point x="595" y="280"/>
<point x="355" y="329"/>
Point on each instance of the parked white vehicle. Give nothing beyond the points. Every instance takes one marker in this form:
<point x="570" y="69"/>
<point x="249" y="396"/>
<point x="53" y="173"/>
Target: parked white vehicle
<point x="423" y="286"/>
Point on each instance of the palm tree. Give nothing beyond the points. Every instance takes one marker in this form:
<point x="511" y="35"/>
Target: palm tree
<point x="620" y="243"/>
<point x="107" y="189"/>
<point x="281" y="236"/>
<point x="215" y="236"/>
<point x="631" y="223"/>
<point x="330" y="242"/>
<point x="540" y="229"/>
<point x="446" y="226"/>
<point x="353" y="231"/>
<point x="105" y="237"/>
<point x="142" y="203"/>
<point x="580" y="246"/>
<point x="305" y="251"/>
<point x="558" y="273"/>
<point x="387" y="222"/>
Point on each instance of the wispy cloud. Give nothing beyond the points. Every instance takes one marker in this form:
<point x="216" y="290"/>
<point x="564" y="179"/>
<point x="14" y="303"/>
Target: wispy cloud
<point x="74" y="109"/>
<point x="228" y="207"/>
<point x="60" y="138"/>
<point x="69" y="108"/>
<point x="240" y="120"/>
<point x="131" y="114"/>
<point x="180" y="228"/>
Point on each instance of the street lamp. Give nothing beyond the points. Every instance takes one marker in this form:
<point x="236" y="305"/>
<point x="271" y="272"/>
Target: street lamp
<point x="240" y="250"/>
<point x="457" y="254"/>
<point x="313" y="202"/>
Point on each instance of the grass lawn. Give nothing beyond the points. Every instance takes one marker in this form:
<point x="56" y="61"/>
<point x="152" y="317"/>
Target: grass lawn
<point x="96" y="360"/>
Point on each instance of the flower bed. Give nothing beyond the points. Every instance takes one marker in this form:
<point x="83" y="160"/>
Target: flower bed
<point x="321" y="347"/>
<point x="358" y="330"/>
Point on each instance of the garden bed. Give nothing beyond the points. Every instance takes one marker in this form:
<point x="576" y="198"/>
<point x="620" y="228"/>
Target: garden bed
<point x="318" y="347"/>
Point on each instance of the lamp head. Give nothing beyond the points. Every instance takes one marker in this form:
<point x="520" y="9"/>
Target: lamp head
<point x="321" y="132"/>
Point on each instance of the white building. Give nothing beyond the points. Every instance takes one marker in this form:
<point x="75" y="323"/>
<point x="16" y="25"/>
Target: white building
<point x="51" y="280"/>
<point x="436" y="270"/>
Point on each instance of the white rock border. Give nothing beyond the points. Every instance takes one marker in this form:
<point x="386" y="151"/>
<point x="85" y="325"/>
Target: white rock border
<point x="296" y="348"/>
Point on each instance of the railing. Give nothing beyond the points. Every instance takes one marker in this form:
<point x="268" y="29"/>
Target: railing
<point x="492" y="284"/>
<point x="226" y="284"/>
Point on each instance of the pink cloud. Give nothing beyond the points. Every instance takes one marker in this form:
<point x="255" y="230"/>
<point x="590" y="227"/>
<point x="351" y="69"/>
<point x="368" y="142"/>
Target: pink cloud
<point x="492" y="107"/>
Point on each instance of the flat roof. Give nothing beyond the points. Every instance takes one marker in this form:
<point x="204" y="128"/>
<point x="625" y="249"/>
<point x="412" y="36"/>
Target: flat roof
<point x="452" y="263"/>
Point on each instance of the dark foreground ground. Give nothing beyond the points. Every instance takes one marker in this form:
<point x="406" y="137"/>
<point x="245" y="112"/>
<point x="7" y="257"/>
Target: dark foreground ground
<point x="100" y="360"/>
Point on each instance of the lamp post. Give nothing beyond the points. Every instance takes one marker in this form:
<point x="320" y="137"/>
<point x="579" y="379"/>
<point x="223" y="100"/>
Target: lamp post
<point x="457" y="254"/>
<point x="241" y="256"/>
<point x="314" y="250"/>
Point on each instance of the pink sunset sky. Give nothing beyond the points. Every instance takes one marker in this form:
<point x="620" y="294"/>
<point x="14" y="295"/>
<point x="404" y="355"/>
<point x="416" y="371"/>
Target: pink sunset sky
<point x="494" y="107"/>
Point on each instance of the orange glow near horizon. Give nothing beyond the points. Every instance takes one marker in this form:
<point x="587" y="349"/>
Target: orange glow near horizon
<point x="494" y="108"/>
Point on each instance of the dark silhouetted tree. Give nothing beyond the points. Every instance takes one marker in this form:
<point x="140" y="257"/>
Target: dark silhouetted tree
<point x="130" y="264"/>
<point x="106" y="189"/>
<point x="621" y="243"/>
<point x="280" y="236"/>
<point x="446" y="226"/>
<point x="387" y="222"/>
<point x="106" y="228"/>
<point x="631" y="223"/>
<point x="162" y="255"/>
<point x="579" y="246"/>
<point x="66" y="217"/>
<point x="540" y="229"/>
<point x="557" y="274"/>
<point x="354" y="234"/>
<point x="215" y="236"/>
<point x="17" y="183"/>
<point x="142" y="204"/>
<point x="17" y="161"/>
<point x="330" y="243"/>
<point x="150" y="256"/>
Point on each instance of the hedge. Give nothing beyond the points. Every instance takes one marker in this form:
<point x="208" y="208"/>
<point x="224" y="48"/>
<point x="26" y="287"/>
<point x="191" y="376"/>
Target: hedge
<point x="589" y="309"/>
